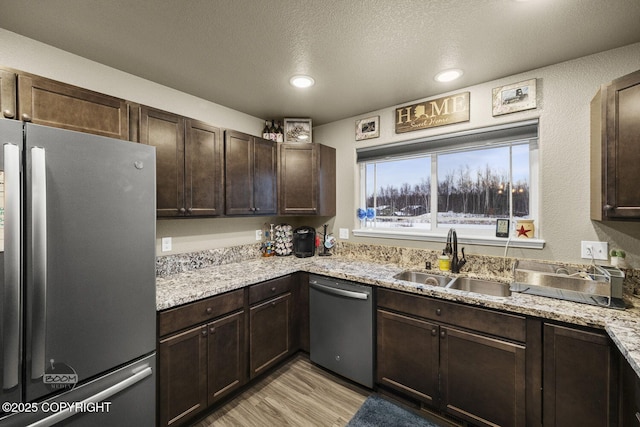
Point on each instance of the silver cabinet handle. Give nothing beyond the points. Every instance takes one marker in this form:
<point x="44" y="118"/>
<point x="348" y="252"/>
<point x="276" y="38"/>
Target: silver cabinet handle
<point x="338" y="291"/>
<point x="39" y="255"/>
<point x="98" y="397"/>
<point x="11" y="356"/>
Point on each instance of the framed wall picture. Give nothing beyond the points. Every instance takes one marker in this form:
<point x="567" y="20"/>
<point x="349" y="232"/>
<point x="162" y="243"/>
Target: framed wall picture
<point x="297" y="130"/>
<point x="368" y="128"/>
<point x="514" y="97"/>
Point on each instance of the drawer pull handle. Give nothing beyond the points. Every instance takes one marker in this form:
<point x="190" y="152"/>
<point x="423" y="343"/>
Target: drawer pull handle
<point x="638" y="416"/>
<point x="273" y="289"/>
<point x="209" y="310"/>
<point x="438" y="311"/>
<point x="204" y="332"/>
<point x="26" y="117"/>
<point x="443" y="334"/>
<point x="212" y="330"/>
<point x="8" y="114"/>
<point x="273" y="304"/>
<point x="434" y="332"/>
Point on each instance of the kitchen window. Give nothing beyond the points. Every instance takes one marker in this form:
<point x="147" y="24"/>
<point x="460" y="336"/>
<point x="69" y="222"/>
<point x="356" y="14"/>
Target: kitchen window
<point x="420" y="189"/>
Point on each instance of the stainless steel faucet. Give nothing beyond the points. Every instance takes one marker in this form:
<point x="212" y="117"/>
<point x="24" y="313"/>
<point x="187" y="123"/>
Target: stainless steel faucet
<point x="452" y="249"/>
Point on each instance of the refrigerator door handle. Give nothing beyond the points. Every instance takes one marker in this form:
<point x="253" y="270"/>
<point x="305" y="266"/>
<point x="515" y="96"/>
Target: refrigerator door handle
<point x="12" y="266"/>
<point x="39" y="256"/>
<point x="96" y="398"/>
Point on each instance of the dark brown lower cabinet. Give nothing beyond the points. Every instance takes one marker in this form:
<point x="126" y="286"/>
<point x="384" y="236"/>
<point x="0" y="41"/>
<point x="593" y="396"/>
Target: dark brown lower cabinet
<point x="483" y="378"/>
<point x="183" y="375"/>
<point x="270" y="333"/>
<point x="200" y="366"/>
<point x="579" y="387"/>
<point x="408" y="352"/>
<point x="629" y="395"/>
<point x="475" y="375"/>
<point x="226" y="356"/>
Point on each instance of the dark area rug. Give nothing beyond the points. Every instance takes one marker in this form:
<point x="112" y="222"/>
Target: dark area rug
<point x="379" y="412"/>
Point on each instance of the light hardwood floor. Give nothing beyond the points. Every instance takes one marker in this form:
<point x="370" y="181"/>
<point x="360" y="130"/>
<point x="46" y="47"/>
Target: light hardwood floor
<point x="297" y="394"/>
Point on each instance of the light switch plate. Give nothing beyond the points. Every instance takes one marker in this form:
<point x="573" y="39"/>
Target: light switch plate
<point x="600" y="250"/>
<point x="258" y="234"/>
<point x="166" y="244"/>
<point x="344" y="233"/>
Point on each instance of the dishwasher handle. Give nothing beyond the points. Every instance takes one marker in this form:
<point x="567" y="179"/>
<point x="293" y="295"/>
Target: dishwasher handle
<point x="337" y="291"/>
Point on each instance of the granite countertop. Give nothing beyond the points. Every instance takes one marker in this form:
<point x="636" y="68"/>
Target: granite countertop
<point x="623" y="326"/>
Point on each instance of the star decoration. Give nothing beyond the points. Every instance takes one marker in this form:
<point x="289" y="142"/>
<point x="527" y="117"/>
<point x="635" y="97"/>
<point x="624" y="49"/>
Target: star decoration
<point x="522" y="231"/>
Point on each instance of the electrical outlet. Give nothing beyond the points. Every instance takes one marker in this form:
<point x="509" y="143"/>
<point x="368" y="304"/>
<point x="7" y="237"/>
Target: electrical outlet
<point x="166" y="244"/>
<point x="344" y="233"/>
<point x="258" y="234"/>
<point x="599" y="250"/>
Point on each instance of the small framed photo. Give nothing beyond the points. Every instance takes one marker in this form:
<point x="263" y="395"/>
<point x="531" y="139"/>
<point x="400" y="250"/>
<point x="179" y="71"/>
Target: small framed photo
<point x="368" y="128"/>
<point x="514" y="97"/>
<point x="502" y="228"/>
<point x="297" y="130"/>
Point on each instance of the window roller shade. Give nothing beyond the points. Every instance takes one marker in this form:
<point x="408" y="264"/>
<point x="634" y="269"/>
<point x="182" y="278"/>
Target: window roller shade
<point x="494" y="135"/>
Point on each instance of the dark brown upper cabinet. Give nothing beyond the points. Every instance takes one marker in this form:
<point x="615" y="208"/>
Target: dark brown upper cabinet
<point x="8" y="94"/>
<point x="615" y="150"/>
<point x="50" y="103"/>
<point x="189" y="162"/>
<point x="250" y="175"/>
<point x="307" y="179"/>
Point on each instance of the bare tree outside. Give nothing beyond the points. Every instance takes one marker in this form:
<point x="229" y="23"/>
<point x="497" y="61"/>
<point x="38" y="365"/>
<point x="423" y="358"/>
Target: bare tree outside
<point x="470" y="194"/>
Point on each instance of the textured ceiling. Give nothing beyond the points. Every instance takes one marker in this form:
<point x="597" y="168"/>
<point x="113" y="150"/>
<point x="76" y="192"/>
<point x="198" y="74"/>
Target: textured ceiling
<point x="363" y="54"/>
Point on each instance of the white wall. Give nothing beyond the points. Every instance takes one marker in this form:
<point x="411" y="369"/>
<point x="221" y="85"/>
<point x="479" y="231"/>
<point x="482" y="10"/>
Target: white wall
<point x="188" y="235"/>
<point x="564" y="93"/>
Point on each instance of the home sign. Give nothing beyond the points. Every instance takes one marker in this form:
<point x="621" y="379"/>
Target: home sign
<point x="436" y="112"/>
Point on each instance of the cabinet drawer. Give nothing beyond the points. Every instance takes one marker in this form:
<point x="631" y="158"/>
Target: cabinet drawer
<point x="197" y="312"/>
<point x="504" y="325"/>
<point x="269" y="288"/>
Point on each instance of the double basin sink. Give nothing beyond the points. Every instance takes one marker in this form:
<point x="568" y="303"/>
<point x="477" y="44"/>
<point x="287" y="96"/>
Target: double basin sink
<point x="596" y="285"/>
<point x="486" y="287"/>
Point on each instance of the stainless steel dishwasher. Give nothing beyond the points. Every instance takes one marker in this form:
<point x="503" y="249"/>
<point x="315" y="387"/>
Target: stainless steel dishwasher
<point x="341" y="320"/>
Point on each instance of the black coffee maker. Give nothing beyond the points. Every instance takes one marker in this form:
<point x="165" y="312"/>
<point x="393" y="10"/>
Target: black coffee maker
<point x="304" y="242"/>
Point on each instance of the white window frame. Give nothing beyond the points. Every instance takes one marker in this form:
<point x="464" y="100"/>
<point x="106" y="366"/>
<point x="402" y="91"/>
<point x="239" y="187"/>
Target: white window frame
<point x="465" y="235"/>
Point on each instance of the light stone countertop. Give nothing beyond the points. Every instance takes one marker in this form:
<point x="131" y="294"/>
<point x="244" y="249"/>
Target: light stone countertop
<point x="623" y="326"/>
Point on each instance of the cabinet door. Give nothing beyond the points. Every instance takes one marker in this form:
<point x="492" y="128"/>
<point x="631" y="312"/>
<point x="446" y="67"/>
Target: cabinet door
<point x="407" y="355"/>
<point x="165" y="131"/>
<point x="269" y="333"/>
<point x="622" y="199"/>
<point x="238" y="148"/>
<point x="629" y="395"/>
<point x="577" y="382"/>
<point x="264" y="176"/>
<point x="8" y="94"/>
<point x="483" y="378"/>
<point x="50" y="103"/>
<point x="183" y="375"/>
<point x="298" y="179"/>
<point x="203" y="169"/>
<point x="226" y="354"/>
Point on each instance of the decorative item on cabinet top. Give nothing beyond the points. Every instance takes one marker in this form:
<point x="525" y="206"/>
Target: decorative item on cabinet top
<point x="273" y="131"/>
<point x="297" y="130"/>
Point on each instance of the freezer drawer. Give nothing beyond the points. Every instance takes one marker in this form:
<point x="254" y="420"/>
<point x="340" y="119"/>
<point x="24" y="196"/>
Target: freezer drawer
<point x="125" y="397"/>
<point x="342" y="328"/>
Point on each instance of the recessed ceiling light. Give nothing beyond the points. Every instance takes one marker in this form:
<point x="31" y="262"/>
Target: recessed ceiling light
<point x="302" y="81"/>
<point x="448" y="75"/>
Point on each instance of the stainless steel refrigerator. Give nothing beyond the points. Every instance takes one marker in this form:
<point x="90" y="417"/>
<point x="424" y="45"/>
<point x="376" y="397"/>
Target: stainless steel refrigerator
<point x="77" y="278"/>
